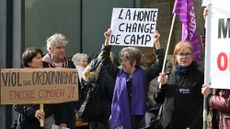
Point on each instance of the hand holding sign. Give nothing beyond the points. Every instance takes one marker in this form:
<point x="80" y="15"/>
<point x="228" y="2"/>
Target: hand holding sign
<point x="156" y="37"/>
<point x="133" y="26"/>
<point x="107" y="35"/>
<point x="162" y="79"/>
<point x="40" y="115"/>
<point x="206" y="90"/>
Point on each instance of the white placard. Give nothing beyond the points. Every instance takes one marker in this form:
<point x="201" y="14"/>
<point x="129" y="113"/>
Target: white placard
<point x="133" y="26"/>
<point x="217" y="53"/>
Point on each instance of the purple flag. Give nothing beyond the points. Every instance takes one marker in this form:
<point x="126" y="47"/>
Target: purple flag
<point x="185" y="10"/>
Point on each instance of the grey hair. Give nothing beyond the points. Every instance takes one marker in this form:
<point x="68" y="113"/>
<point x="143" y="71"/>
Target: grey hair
<point x="132" y="54"/>
<point x="78" y="57"/>
<point x="56" y="40"/>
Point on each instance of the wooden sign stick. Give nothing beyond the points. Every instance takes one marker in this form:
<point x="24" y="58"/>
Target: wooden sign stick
<point x="41" y="120"/>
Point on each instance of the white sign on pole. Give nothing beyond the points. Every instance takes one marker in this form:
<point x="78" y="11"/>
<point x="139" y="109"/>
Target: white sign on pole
<point x="217" y="53"/>
<point x="133" y="26"/>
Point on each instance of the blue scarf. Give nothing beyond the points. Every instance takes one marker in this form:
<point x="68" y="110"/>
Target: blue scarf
<point x="121" y="109"/>
<point x="184" y="70"/>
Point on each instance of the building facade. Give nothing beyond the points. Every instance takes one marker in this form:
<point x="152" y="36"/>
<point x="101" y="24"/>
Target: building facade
<point x="28" y="23"/>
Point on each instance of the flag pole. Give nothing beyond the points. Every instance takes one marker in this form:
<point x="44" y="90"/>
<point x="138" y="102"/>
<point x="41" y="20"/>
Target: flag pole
<point x="168" y="44"/>
<point x="205" y="104"/>
<point x="205" y="113"/>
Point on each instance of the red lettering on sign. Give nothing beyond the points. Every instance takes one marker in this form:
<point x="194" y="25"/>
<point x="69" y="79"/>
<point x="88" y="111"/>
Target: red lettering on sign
<point x="21" y="95"/>
<point x="222" y="61"/>
<point x="71" y="91"/>
<point x="50" y="93"/>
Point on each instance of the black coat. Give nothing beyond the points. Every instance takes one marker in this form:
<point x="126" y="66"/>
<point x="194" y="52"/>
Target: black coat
<point x="106" y="87"/>
<point x="27" y="119"/>
<point x="69" y="107"/>
<point x="101" y="101"/>
<point x="182" y="100"/>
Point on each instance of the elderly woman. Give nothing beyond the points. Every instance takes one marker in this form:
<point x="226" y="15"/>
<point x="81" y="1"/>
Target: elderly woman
<point x="129" y="98"/>
<point x="29" y="115"/>
<point x="55" y="58"/>
<point x="80" y="60"/>
<point x="180" y="91"/>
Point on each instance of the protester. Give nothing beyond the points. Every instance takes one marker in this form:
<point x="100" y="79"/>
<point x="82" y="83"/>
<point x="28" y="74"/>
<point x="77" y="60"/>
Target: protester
<point x="180" y="91"/>
<point x="80" y="61"/>
<point x="147" y="59"/>
<point x="129" y="98"/>
<point x="95" y="74"/>
<point x="55" y="58"/>
<point x="29" y="115"/>
<point x="219" y="103"/>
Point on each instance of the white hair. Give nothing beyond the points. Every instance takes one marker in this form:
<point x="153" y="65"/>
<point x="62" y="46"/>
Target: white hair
<point x="78" y="57"/>
<point x="56" y="40"/>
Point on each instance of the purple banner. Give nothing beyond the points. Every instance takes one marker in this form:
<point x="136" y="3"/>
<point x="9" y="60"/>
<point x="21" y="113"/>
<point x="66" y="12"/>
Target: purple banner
<point x="185" y="10"/>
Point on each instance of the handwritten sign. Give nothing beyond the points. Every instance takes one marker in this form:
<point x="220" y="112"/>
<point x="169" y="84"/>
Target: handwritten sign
<point x="33" y="86"/>
<point x="133" y="26"/>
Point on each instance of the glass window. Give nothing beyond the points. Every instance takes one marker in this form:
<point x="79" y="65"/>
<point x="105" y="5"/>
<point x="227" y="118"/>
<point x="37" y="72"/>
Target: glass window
<point x="46" y="17"/>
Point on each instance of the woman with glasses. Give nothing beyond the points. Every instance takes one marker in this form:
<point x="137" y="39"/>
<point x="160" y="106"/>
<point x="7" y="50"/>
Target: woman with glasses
<point x="180" y="91"/>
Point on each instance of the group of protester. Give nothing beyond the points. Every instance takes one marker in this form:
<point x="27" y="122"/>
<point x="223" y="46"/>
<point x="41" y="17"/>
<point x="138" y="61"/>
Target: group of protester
<point x="124" y="91"/>
<point x="64" y="114"/>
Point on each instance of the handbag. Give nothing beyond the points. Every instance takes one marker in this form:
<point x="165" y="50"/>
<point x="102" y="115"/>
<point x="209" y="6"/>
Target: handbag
<point x="92" y="106"/>
<point x="151" y="118"/>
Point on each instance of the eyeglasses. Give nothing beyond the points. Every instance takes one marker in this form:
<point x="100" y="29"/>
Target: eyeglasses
<point x="184" y="54"/>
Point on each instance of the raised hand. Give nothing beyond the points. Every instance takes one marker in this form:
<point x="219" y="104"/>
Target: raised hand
<point x="156" y="39"/>
<point x="107" y="35"/>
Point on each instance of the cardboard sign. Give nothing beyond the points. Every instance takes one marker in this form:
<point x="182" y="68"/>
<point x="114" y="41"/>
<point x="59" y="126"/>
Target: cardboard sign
<point x="133" y="26"/>
<point x="217" y="53"/>
<point x="34" y="86"/>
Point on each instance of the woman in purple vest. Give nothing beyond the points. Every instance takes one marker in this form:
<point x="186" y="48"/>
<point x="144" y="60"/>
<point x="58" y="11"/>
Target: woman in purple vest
<point x="129" y="99"/>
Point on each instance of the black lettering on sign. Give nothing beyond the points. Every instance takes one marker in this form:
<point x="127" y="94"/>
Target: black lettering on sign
<point x="224" y="28"/>
<point x="137" y="27"/>
<point x="144" y="15"/>
<point x="114" y="39"/>
<point x="11" y="79"/>
<point x="51" y="78"/>
<point x="128" y="15"/>
<point x="137" y="39"/>
<point x="120" y="17"/>
<point x="121" y="27"/>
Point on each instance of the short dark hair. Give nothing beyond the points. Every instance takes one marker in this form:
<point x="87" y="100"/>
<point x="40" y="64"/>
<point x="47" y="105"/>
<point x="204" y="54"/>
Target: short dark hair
<point x="29" y="54"/>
